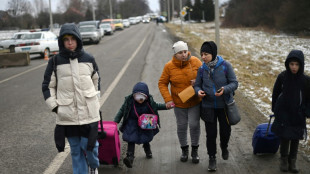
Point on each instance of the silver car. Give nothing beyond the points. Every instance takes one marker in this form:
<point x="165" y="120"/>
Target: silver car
<point x="90" y="34"/>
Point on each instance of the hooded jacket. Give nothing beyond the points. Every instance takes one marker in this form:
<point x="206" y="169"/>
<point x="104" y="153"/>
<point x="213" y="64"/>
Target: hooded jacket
<point x="74" y="93"/>
<point x="223" y="75"/>
<point x="289" y="99"/>
<point x="179" y="75"/>
<point x="129" y="127"/>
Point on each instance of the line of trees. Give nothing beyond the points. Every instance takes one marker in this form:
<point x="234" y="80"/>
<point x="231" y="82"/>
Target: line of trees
<point x="22" y="14"/>
<point x="291" y="16"/>
<point x="194" y="10"/>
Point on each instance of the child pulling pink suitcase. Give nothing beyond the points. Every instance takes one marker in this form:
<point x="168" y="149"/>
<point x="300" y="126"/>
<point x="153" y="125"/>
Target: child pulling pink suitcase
<point x="109" y="147"/>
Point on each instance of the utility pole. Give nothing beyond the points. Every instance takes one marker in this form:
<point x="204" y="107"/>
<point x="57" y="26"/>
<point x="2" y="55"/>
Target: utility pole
<point x="181" y="16"/>
<point x="51" y="17"/>
<point x="203" y="16"/>
<point x="168" y="9"/>
<point x="217" y="25"/>
<point x="94" y="16"/>
<point x="172" y="3"/>
<point x="110" y="9"/>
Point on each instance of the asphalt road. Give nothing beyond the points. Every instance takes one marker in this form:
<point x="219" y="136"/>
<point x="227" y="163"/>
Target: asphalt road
<point x="125" y="58"/>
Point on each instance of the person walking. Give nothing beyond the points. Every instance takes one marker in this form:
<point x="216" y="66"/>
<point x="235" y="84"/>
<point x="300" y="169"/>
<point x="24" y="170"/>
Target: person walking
<point x="71" y="89"/>
<point x="215" y="84"/>
<point x="290" y="95"/>
<point x="138" y="103"/>
<point x="180" y="72"/>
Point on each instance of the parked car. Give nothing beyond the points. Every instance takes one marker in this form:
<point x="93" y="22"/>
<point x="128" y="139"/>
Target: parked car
<point x="126" y="23"/>
<point x="118" y="23"/>
<point x="107" y="28"/>
<point x="95" y="23"/>
<point x="146" y="19"/>
<point x="10" y="43"/>
<point x="44" y="42"/>
<point x="133" y="20"/>
<point x="109" y="21"/>
<point x="90" y="34"/>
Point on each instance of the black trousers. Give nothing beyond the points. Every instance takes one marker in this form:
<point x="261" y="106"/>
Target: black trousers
<point x="211" y="130"/>
<point x="131" y="147"/>
<point x="289" y="148"/>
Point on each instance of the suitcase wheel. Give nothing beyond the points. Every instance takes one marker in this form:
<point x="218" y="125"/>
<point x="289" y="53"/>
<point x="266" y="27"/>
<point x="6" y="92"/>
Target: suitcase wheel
<point x="115" y="161"/>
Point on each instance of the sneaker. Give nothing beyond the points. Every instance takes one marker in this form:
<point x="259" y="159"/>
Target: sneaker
<point x="93" y="171"/>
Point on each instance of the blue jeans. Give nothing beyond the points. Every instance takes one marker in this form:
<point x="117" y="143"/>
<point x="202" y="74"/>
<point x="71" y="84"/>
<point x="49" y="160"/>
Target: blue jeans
<point x="81" y="158"/>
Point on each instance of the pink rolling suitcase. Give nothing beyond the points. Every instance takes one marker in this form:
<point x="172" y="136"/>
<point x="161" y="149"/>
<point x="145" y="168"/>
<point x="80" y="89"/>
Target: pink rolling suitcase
<point x="109" y="147"/>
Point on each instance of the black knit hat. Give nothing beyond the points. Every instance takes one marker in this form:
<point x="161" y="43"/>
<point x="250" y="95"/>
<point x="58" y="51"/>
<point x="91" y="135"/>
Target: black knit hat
<point x="209" y="47"/>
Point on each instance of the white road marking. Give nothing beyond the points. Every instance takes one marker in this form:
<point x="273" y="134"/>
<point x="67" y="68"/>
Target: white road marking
<point x="17" y="75"/>
<point x="107" y="93"/>
<point x="60" y="157"/>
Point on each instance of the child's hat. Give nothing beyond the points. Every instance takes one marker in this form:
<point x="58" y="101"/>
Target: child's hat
<point x="141" y="87"/>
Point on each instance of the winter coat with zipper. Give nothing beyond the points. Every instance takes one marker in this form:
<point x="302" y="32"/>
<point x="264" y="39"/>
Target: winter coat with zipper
<point x="223" y="75"/>
<point x="123" y="113"/>
<point x="74" y="94"/>
<point x="179" y="75"/>
<point x="290" y="112"/>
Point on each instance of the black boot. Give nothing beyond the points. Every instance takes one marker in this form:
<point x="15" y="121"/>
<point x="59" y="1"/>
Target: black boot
<point x="225" y="153"/>
<point x="184" y="156"/>
<point x="292" y="165"/>
<point x="128" y="161"/>
<point x="195" y="157"/>
<point x="147" y="150"/>
<point x="284" y="164"/>
<point x="212" y="164"/>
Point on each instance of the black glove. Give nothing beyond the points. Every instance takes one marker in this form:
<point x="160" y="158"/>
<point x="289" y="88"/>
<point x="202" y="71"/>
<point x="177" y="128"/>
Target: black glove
<point x="55" y="109"/>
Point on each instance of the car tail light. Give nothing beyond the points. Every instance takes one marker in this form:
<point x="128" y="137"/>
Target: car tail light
<point x="27" y="44"/>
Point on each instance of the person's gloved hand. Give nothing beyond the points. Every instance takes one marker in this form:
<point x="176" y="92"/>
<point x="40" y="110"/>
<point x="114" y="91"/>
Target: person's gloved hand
<point x="55" y="109"/>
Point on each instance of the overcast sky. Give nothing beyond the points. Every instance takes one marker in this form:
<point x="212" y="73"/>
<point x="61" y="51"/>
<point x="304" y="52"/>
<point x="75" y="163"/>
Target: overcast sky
<point x="154" y="5"/>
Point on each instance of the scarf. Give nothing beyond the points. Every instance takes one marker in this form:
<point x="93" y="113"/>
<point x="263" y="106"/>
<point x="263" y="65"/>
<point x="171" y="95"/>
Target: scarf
<point x="210" y="65"/>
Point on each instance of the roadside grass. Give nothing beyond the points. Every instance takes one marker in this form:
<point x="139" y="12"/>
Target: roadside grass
<point x="253" y="76"/>
<point x="256" y="66"/>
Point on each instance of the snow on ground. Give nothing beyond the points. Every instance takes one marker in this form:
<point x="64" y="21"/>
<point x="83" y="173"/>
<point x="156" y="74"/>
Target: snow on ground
<point x="262" y="47"/>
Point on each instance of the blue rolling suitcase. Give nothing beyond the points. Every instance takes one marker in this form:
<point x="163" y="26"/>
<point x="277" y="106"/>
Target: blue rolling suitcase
<point x="265" y="141"/>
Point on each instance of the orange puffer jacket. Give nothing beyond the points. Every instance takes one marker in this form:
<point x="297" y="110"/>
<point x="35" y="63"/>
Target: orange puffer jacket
<point x="179" y="75"/>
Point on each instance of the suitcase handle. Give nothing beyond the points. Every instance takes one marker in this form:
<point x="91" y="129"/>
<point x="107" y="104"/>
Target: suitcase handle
<point x="268" y="125"/>
<point x="103" y="133"/>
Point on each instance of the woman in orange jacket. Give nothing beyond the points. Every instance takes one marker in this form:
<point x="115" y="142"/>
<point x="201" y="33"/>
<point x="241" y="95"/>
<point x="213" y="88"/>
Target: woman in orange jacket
<point x="180" y="72"/>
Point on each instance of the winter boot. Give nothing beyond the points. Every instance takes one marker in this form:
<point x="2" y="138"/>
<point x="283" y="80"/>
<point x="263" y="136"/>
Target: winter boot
<point x="292" y="165"/>
<point x="184" y="156"/>
<point x="128" y="161"/>
<point x="195" y="157"/>
<point x="225" y="154"/>
<point x="283" y="164"/>
<point x="212" y="164"/>
<point x="147" y="150"/>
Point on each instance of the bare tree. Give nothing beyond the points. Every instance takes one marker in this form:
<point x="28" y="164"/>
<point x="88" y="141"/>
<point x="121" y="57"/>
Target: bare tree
<point x="39" y="6"/>
<point x="19" y="7"/>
